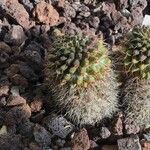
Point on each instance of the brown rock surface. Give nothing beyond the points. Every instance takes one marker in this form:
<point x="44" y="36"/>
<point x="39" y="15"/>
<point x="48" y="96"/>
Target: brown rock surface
<point x="17" y="12"/>
<point x="129" y="143"/>
<point x="15" y="100"/>
<point x="145" y="145"/>
<point x="46" y="14"/>
<point x="81" y="140"/>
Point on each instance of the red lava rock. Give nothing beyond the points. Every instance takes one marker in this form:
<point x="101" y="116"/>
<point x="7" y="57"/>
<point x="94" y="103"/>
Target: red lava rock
<point x="36" y="105"/>
<point x="131" y="127"/>
<point x="16" y="114"/>
<point x="18" y="79"/>
<point x="46" y="14"/>
<point x="81" y="140"/>
<point x="4" y="90"/>
<point x="15" y="100"/>
<point x="145" y="145"/>
<point x="16" y="11"/>
<point x="41" y="135"/>
<point x="15" y="36"/>
<point x="109" y="147"/>
<point x="129" y="143"/>
<point x="10" y="142"/>
<point x="69" y="11"/>
<point x="137" y="15"/>
<point x="61" y="3"/>
<point x="118" y="125"/>
<point x="108" y="7"/>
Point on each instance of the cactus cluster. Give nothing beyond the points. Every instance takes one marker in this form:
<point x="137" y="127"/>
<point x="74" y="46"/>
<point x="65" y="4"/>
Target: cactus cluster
<point x="137" y="65"/>
<point x="137" y="52"/>
<point x="79" y="76"/>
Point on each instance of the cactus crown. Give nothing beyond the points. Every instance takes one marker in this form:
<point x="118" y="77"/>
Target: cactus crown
<point x="78" y="60"/>
<point x="137" y="52"/>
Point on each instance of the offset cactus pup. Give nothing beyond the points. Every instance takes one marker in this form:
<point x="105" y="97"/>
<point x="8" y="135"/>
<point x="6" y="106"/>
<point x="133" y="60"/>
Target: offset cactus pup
<point x="79" y="76"/>
<point x="137" y="67"/>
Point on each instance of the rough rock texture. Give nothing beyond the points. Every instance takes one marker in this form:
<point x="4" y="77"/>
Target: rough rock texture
<point x="58" y="125"/>
<point x="15" y="36"/>
<point x="81" y="140"/>
<point x="46" y="14"/>
<point x="130" y="143"/>
<point x="145" y="145"/>
<point x="41" y="135"/>
<point x="17" y="12"/>
<point x="10" y="142"/>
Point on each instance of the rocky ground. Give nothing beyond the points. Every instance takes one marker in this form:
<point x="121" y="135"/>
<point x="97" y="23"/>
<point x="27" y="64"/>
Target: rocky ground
<point x="25" y="30"/>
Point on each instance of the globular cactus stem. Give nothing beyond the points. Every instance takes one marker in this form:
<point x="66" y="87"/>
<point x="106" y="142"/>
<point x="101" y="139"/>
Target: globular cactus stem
<point x="79" y="75"/>
<point x="137" y="67"/>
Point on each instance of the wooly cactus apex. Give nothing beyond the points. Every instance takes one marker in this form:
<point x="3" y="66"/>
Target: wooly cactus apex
<point x="137" y="66"/>
<point x="80" y="78"/>
<point x="137" y="52"/>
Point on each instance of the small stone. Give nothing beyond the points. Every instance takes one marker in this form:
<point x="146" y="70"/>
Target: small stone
<point x="19" y="80"/>
<point x="58" y="125"/>
<point x="81" y="140"/>
<point x="15" y="36"/>
<point x="41" y="135"/>
<point x="129" y="143"/>
<point x="17" y="114"/>
<point x="69" y="11"/>
<point x="104" y="133"/>
<point x="17" y="12"/>
<point x="61" y="3"/>
<point x="36" y="105"/>
<point x="118" y="125"/>
<point x="4" y="90"/>
<point x="145" y="145"/>
<point x="137" y="15"/>
<point x="131" y="127"/>
<point x="46" y="14"/>
<point x="15" y="100"/>
<point x="10" y="142"/>
<point x="15" y="90"/>
<point x="94" y="22"/>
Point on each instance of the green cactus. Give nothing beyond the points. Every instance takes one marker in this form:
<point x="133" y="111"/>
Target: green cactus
<point x="137" y="52"/>
<point x="137" y="67"/>
<point x="79" y="76"/>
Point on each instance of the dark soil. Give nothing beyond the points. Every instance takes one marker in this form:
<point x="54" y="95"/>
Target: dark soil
<point x="25" y="31"/>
